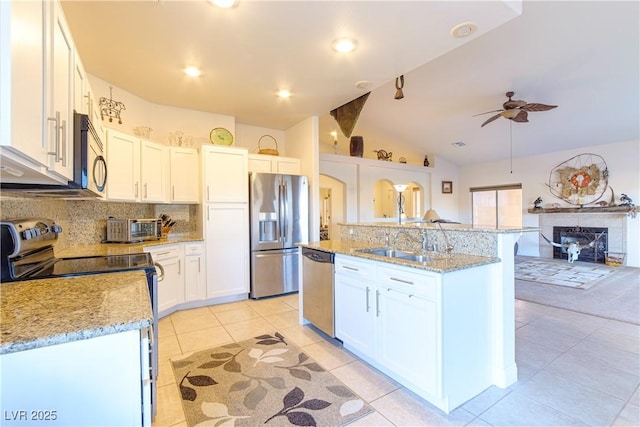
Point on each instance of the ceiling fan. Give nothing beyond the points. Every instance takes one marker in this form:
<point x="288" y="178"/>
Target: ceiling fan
<point x="515" y="110"/>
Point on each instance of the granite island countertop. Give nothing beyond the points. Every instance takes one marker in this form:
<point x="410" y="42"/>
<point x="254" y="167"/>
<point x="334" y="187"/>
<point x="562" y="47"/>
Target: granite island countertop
<point x="43" y="312"/>
<point x="439" y="262"/>
<point x="105" y="249"/>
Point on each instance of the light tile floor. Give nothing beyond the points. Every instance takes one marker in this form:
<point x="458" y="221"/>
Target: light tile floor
<point x="574" y="369"/>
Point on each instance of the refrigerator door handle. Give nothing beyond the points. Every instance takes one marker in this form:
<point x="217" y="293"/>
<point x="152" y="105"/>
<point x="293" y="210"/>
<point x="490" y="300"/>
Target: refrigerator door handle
<point x="281" y="211"/>
<point x="285" y="204"/>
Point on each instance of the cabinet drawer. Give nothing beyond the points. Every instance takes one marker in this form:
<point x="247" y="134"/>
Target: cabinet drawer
<point x="160" y="253"/>
<point x="412" y="282"/>
<point x="349" y="266"/>
<point x="193" y="249"/>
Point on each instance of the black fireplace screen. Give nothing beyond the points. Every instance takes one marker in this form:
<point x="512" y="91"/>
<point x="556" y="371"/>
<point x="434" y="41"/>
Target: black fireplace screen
<point x="583" y="236"/>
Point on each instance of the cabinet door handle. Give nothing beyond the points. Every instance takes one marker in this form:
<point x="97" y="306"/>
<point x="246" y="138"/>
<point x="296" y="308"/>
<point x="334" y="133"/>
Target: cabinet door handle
<point x="395" y="279"/>
<point x="208" y="198"/>
<point x="163" y="253"/>
<point x="367" y="306"/>
<point x="136" y="193"/>
<point x="377" y="303"/>
<point x="179" y="266"/>
<point x="145" y="191"/>
<point x="56" y="151"/>
<point x="173" y="192"/>
<point x="63" y="133"/>
<point x="199" y="264"/>
<point x="346" y="267"/>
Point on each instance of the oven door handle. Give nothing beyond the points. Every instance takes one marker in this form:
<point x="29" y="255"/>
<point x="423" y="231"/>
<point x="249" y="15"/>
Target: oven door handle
<point x="161" y="268"/>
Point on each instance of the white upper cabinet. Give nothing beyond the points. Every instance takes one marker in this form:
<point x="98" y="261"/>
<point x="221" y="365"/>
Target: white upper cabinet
<point x="274" y="164"/>
<point x="36" y="84"/>
<point x="123" y="161"/>
<point x="154" y="172"/>
<point x="185" y="176"/>
<point x="225" y="174"/>
<point x="59" y="78"/>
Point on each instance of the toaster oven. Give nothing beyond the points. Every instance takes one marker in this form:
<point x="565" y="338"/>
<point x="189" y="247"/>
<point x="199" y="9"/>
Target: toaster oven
<point x="133" y="230"/>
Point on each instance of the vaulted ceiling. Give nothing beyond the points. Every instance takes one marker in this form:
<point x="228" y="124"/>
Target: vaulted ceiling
<point x="580" y="55"/>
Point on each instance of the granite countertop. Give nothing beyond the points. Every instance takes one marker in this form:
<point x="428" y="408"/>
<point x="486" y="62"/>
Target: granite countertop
<point x="105" y="249"/>
<point x="439" y="263"/>
<point x="447" y="226"/>
<point x="43" y="312"/>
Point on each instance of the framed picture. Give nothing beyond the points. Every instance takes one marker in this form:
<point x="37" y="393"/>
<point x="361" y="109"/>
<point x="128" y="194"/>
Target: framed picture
<point x="447" y="187"/>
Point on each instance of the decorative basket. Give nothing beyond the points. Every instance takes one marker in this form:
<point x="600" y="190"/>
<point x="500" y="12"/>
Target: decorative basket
<point x="268" y="151"/>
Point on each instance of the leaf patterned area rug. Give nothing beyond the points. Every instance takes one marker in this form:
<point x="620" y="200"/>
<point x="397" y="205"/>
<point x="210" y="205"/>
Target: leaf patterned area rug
<point x="263" y="380"/>
<point x="579" y="275"/>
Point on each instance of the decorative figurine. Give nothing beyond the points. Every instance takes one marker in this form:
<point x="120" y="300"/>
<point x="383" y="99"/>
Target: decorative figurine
<point x="625" y="200"/>
<point x="426" y="161"/>
<point x="537" y="204"/>
<point x="383" y="155"/>
<point x="573" y="248"/>
<point x="602" y="203"/>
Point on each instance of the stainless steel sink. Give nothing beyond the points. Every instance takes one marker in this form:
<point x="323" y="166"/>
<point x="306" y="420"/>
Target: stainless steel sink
<point x="388" y="252"/>
<point x="416" y="257"/>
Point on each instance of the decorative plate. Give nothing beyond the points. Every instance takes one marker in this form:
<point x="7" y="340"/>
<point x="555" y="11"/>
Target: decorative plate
<point x="220" y="136"/>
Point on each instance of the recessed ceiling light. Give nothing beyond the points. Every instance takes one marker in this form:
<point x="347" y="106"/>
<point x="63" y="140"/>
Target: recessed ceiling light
<point x="283" y="93"/>
<point x="224" y="4"/>
<point x="192" y="71"/>
<point x="463" y="30"/>
<point x="344" y="45"/>
<point x="363" y="84"/>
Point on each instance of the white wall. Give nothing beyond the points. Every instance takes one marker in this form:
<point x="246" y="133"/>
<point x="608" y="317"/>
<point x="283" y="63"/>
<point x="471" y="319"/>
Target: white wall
<point x="623" y="163"/>
<point x="162" y="119"/>
<point x="445" y="204"/>
<point x="303" y="144"/>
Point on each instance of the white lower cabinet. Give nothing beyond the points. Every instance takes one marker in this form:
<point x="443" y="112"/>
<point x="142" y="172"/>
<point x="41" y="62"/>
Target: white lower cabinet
<point x="356" y="314"/>
<point x="171" y="290"/>
<point x="227" y="237"/>
<point x="413" y="359"/>
<point x="428" y="331"/>
<point x="195" y="276"/>
<point x="102" y="381"/>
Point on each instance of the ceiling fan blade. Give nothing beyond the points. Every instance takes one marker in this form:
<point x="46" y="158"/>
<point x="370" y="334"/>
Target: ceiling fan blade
<point x="521" y="117"/>
<point x="515" y="103"/>
<point x="490" y="119"/>
<point x="538" y="107"/>
<point x="487" y="112"/>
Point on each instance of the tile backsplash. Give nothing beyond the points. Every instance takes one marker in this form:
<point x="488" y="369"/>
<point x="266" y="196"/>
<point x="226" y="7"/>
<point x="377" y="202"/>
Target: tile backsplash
<point x="84" y="221"/>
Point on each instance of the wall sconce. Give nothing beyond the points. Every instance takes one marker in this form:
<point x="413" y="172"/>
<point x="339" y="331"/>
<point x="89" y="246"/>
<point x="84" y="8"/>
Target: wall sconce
<point x="399" y="86"/>
<point x="334" y="134"/>
<point x="400" y="188"/>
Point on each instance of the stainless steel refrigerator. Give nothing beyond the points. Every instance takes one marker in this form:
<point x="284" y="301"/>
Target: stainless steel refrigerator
<point x="278" y="212"/>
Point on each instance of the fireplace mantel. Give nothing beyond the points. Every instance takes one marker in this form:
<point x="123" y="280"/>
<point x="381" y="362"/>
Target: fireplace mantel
<point x="631" y="210"/>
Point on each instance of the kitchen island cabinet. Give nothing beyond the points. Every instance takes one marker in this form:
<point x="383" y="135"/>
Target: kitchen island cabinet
<point x="418" y="327"/>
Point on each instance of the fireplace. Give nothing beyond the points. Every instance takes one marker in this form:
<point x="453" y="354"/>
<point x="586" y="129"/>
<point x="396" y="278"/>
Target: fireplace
<point x="582" y="236"/>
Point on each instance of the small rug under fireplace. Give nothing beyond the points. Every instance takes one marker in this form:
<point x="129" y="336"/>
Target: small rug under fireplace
<point x="263" y="380"/>
<point x="579" y="275"/>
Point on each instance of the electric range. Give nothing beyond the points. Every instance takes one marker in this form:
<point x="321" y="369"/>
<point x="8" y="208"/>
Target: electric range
<point x="27" y="253"/>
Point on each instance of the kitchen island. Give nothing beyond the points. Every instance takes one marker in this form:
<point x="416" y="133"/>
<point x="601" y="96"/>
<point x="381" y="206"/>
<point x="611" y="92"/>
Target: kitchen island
<point x="75" y="351"/>
<point x="443" y="326"/>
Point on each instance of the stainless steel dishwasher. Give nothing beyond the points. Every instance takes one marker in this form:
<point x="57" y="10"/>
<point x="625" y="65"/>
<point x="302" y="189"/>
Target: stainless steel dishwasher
<point x="317" y="289"/>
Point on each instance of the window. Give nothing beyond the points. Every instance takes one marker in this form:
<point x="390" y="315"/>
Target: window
<point x="499" y="206"/>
